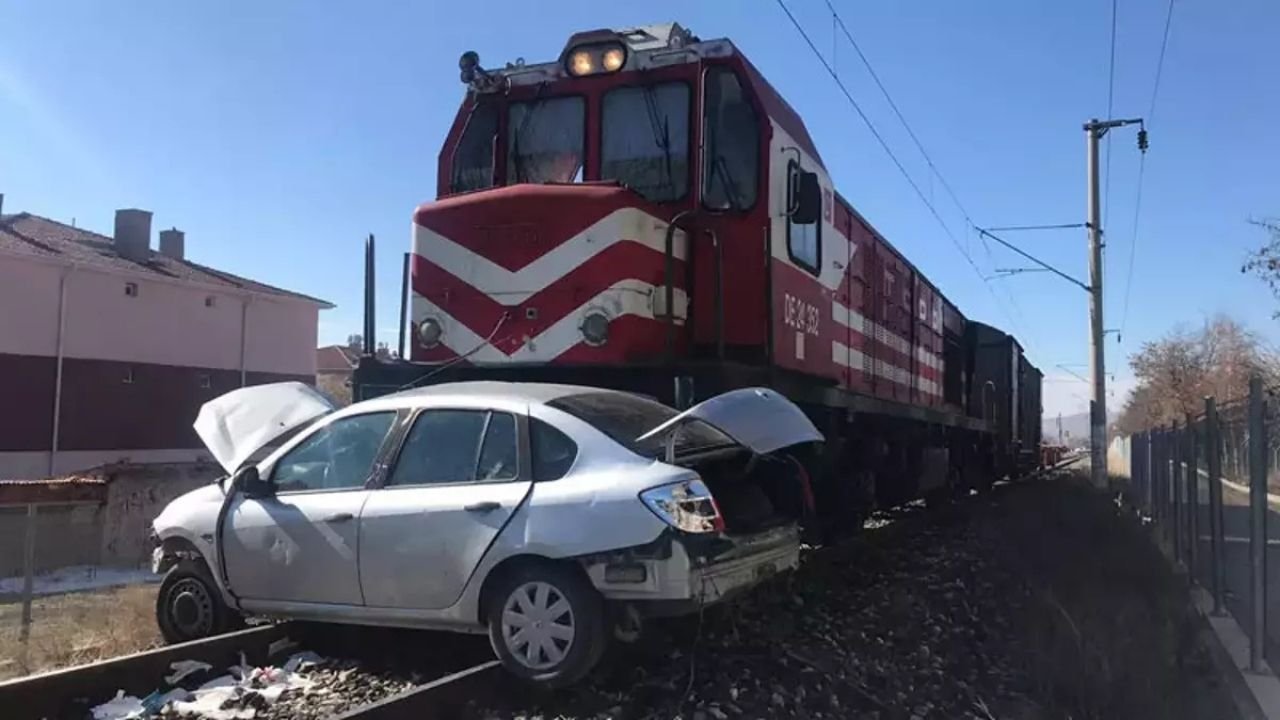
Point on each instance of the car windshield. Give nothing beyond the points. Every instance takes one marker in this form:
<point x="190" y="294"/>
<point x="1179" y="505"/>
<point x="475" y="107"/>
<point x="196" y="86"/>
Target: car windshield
<point x="626" y="417"/>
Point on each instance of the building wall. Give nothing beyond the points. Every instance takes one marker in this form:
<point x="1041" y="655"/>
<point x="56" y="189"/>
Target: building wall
<point x="282" y="337"/>
<point x="32" y="287"/>
<point x="135" y="368"/>
<point x="65" y="535"/>
<point x="114" y="533"/>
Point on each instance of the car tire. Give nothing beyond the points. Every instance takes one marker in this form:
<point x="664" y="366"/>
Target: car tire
<point x="189" y="605"/>
<point x="559" y="617"/>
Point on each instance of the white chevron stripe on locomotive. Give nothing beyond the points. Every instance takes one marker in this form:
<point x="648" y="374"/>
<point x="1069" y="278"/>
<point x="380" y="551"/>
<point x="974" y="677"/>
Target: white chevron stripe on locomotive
<point x="855" y="320"/>
<point x="842" y="354"/>
<point x="514" y="287"/>
<point x="625" y="297"/>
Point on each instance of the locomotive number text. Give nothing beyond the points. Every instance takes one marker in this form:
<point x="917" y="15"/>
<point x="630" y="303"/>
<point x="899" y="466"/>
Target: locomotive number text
<point x="799" y="314"/>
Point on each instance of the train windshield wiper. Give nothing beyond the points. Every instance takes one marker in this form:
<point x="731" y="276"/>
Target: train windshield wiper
<point x="530" y="109"/>
<point x="661" y="137"/>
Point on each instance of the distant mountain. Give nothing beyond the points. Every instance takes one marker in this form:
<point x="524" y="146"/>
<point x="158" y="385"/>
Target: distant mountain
<point x="1075" y="429"/>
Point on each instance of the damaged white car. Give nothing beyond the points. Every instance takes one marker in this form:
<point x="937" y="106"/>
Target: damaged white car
<point x="552" y="517"/>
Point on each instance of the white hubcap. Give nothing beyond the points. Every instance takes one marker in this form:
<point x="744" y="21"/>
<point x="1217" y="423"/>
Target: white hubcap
<point x="537" y="625"/>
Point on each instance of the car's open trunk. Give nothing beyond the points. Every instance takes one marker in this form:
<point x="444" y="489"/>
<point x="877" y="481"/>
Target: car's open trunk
<point x="752" y="496"/>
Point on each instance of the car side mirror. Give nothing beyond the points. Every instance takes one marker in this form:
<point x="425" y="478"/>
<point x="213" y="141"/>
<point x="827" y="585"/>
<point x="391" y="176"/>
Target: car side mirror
<point x="251" y="484"/>
<point x="807" y="203"/>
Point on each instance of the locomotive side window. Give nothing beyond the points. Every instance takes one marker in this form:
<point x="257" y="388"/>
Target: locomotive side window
<point x="473" y="159"/>
<point x="731" y="143"/>
<point x="544" y="141"/>
<point x="804" y="239"/>
<point x="645" y="140"/>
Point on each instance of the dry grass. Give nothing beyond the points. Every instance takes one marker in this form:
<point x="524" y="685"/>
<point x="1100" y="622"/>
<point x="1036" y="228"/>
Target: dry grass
<point x="1108" y="626"/>
<point x="78" y="628"/>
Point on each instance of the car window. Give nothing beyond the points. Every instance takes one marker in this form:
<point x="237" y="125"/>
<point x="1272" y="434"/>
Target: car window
<point x="338" y="455"/>
<point x="445" y="446"/>
<point x="498" y="453"/>
<point x="553" y="451"/>
<point x="625" y="417"/>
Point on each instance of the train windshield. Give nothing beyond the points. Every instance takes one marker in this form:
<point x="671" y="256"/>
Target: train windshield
<point x="644" y="143"/>
<point x="545" y="140"/>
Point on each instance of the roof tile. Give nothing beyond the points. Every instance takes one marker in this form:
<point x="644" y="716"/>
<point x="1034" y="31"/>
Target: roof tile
<point x="24" y="233"/>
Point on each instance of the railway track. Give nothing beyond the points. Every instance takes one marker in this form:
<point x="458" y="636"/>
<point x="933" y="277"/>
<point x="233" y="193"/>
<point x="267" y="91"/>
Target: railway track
<point x="435" y="675"/>
<point x="431" y="674"/>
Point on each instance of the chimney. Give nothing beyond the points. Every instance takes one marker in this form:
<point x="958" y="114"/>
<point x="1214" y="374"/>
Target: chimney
<point x="133" y="234"/>
<point x="1" y="203"/>
<point x="173" y="243"/>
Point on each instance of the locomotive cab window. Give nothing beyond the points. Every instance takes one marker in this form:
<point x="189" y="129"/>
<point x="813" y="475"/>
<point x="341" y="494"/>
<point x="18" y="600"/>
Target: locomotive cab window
<point x="473" y="158"/>
<point x="804" y="224"/>
<point x="645" y="140"/>
<point x="731" y="150"/>
<point x="545" y="141"/>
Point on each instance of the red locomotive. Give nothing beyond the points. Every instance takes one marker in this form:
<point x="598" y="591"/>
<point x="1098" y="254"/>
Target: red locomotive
<point x="647" y="213"/>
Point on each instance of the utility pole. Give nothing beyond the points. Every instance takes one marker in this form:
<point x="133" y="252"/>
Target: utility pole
<point x="1094" y="130"/>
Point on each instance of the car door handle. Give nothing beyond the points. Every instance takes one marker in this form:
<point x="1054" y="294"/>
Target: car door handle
<point x="339" y="517"/>
<point x="482" y="507"/>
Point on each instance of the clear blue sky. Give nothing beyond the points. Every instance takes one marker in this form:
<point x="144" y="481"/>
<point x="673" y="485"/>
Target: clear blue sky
<point x="278" y="134"/>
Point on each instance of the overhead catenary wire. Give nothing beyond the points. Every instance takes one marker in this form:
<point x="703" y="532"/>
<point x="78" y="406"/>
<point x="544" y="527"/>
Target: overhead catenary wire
<point x="1142" y="166"/>
<point x="898" y="113"/>
<point x="893" y="156"/>
<point x="1016" y="228"/>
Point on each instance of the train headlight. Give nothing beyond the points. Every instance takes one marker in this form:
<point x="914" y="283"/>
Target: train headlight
<point x="613" y="59"/>
<point x="594" y="59"/>
<point x="430" y="332"/>
<point x="580" y="63"/>
<point x="595" y="328"/>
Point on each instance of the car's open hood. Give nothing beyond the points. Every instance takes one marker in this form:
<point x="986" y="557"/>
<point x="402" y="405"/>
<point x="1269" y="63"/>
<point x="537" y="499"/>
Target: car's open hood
<point x="756" y="418"/>
<point x="238" y="424"/>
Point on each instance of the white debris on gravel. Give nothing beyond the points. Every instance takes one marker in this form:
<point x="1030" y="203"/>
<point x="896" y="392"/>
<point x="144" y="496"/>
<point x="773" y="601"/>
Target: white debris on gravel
<point x="183" y="668"/>
<point x="121" y="707"/>
<point x="238" y="695"/>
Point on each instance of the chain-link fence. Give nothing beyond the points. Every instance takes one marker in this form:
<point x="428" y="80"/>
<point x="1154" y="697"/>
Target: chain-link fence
<point x="1206" y="483"/>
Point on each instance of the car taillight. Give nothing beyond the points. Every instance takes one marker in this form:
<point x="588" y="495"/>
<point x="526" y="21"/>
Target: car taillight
<point x="686" y="506"/>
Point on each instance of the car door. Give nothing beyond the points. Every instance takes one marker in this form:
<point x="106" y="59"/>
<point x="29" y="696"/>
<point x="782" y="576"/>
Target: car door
<point x="300" y="544"/>
<point x="460" y="476"/>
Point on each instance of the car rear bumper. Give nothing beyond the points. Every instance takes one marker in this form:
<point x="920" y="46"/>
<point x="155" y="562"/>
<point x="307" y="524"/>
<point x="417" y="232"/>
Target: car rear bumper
<point x="694" y="570"/>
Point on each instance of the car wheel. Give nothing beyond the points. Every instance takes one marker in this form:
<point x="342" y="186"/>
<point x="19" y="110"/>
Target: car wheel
<point x="189" y="605"/>
<point x="547" y="624"/>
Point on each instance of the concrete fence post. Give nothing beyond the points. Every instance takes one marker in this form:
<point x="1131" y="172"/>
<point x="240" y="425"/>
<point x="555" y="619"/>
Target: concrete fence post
<point x="28" y="583"/>
<point x="1257" y="523"/>
<point x="1213" y="466"/>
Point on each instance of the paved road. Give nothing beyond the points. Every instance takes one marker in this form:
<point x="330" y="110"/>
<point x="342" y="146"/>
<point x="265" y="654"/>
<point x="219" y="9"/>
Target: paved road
<point x="1235" y="553"/>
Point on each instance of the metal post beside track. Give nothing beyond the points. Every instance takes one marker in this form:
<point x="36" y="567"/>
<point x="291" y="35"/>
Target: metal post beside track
<point x="1257" y="523"/>
<point x="1175" y="455"/>
<point x="1192" y="496"/>
<point x="1148" y="472"/>
<point x="1157" y="480"/>
<point x="1213" y="461"/>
